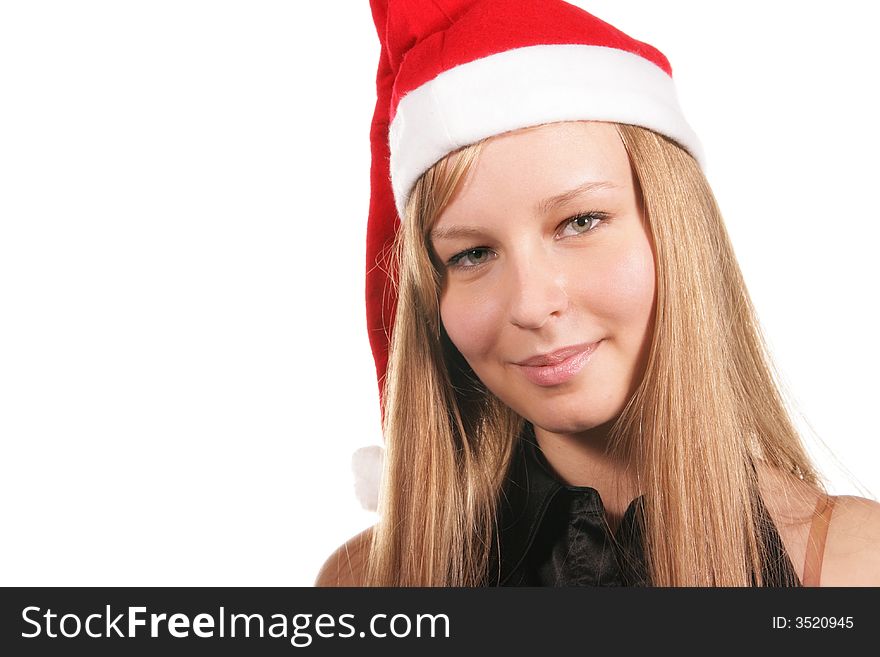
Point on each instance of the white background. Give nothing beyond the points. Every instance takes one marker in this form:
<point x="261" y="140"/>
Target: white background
<point x="184" y="368"/>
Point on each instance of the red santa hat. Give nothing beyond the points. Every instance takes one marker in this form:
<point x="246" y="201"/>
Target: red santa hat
<point x="453" y="72"/>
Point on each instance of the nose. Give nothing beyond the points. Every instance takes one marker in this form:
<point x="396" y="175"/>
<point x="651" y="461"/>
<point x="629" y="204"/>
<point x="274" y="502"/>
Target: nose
<point x="537" y="288"/>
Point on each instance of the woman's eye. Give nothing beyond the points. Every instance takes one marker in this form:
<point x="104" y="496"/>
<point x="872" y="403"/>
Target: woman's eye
<point x="472" y="258"/>
<point x="585" y="223"/>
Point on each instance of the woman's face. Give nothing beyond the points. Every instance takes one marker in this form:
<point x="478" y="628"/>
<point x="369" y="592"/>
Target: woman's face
<point x="545" y="249"/>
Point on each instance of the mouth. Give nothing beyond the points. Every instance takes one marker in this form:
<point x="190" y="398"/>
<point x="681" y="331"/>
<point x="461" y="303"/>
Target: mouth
<point x="559" y="366"/>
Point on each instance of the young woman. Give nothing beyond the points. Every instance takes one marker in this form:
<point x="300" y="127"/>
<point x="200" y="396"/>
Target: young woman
<point x="577" y="390"/>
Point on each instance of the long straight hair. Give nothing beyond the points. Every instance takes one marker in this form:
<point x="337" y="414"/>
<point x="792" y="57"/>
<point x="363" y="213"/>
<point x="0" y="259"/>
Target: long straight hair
<point x="707" y="411"/>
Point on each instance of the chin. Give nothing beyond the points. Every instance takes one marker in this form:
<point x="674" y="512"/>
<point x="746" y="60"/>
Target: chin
<point x="557" y="421"/>
<point x="563" y="426"/>
<point x="571" y="415"/>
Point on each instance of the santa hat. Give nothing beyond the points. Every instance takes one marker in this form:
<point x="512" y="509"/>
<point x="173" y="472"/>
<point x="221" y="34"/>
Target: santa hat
<point x="453" y="72"/>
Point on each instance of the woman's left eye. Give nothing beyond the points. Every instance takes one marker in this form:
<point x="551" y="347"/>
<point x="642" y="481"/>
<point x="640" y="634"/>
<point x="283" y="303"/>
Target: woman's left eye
<point x="585" y="223"/>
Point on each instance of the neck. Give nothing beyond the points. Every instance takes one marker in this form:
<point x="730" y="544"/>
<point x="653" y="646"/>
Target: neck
<point x="583" y="459"/>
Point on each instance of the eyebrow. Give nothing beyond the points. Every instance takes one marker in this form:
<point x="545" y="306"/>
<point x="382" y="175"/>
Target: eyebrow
<point x="542" y="207"/>
<point x="549" y="204"/>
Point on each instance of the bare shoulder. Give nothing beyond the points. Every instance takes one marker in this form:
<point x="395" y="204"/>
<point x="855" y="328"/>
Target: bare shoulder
<point x="852" y="548"/>
<point x="347" y="565"/>
<point x="852" y="545"/>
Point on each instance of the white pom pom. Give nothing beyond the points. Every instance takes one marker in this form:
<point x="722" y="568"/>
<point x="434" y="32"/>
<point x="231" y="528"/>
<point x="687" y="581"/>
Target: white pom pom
<point x="366" y="464"/>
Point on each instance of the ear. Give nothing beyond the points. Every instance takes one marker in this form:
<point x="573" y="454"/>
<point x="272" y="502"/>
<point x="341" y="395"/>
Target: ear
<point x="366" y="466"/>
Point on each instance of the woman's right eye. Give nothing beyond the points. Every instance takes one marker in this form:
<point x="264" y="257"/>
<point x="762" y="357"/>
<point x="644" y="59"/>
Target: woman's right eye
<point x="476" y="256"/>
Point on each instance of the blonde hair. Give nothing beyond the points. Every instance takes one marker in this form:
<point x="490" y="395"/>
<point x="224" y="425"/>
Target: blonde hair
<point x="707" y="409"/>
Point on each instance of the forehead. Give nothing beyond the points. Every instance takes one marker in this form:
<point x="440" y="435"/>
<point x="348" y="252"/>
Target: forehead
<point x="518" y="169"/>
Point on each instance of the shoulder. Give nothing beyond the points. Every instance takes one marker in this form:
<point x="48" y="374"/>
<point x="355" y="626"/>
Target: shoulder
<point x="852" y="545"/>
<point x="347" y="565"/>
<point x="852" y="548"/>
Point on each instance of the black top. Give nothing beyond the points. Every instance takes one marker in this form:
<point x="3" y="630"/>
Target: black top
<point x="553" y="534"/>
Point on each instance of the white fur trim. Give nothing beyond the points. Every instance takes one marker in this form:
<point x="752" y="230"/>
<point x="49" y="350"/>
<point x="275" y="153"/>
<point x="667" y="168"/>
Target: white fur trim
<point x="366" y="465"/>
<point x="525" y="87"/>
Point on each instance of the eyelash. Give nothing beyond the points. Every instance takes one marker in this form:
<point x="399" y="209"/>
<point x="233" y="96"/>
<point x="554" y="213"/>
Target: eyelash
<point x="601" y="217"/>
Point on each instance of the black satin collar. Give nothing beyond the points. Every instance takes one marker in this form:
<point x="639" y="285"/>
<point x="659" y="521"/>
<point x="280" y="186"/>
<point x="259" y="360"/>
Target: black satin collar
<point x="530" y="490"/>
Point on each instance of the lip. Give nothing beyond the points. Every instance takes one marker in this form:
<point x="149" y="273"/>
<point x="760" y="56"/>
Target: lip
<point x="559" y="366"/>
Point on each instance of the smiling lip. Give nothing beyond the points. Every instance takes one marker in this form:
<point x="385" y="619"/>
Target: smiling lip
<point x="559" y="366"/>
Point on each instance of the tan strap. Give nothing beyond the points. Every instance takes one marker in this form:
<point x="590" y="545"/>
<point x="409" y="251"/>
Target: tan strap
<point x="816" y="540"/>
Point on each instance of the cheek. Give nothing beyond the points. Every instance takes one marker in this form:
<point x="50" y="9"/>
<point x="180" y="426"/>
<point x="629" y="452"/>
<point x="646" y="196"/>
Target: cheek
<point x="637" y="277"/>
<point x="628" y="292"/>
<point x="471" y="321"/>
<point x="619" y="288"/>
